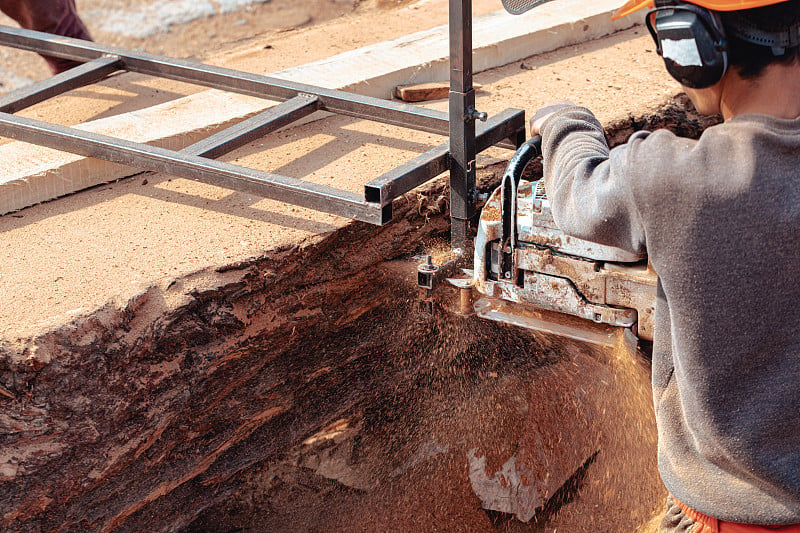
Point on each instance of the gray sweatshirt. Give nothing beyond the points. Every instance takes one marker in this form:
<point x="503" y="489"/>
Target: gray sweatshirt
<point x="720" y="220"/>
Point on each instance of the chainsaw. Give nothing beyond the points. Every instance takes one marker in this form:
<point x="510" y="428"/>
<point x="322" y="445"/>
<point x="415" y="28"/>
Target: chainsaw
<point x="529" y="273"/>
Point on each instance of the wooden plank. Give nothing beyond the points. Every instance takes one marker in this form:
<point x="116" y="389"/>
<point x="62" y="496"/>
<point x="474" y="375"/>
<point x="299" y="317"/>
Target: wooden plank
<point x="421" y="92"/>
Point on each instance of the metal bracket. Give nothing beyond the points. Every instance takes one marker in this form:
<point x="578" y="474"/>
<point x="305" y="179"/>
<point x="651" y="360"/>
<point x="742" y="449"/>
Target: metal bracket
<point x="430" y="275"/>
<point x="474" y="114"/>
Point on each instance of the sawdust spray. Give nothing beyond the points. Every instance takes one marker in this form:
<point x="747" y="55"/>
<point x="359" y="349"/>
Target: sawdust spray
<point x="467" y="384"/>
<point x="441" y="387"/>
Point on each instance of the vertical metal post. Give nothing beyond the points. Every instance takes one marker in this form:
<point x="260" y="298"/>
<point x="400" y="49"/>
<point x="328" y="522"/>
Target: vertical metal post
<point x="462" y="124"/>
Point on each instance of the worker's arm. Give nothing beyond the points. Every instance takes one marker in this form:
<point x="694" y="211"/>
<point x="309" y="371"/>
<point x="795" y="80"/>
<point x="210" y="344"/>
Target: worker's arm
<point x="590" y="188"/>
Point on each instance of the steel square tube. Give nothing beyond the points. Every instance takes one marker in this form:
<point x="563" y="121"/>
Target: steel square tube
<point x="506" y="131"/>
<point x="254" y="127"/>
<point x="422" y="168"/>
<point x="400" y="180"/>
<point x="462" y="123"/>
<point x="79" y="76"/>
<point x="341" y="102"/>
<point x="460" y="25"/>
<point x="282" y="188"/>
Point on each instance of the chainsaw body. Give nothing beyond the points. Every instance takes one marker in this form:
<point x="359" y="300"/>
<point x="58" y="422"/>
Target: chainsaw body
<point x="529" y="273"/>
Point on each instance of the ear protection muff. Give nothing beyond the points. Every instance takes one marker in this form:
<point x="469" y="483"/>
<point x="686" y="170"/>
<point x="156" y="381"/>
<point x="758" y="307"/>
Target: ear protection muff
<point x="691" y="40"/>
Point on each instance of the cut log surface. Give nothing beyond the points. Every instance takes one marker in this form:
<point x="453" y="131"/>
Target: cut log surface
<point x="153" y="410"/>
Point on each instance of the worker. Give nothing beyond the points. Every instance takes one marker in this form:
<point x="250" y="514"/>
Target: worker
<point x="59" y="17"/>
<point x="720" y="220"/>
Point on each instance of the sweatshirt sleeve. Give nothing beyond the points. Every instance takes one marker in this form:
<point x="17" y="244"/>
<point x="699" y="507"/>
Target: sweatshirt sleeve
<point x="590" y="188"/>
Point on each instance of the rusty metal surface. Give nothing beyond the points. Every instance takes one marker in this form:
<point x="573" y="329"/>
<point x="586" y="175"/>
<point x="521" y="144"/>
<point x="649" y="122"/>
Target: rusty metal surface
<point x="536" y="225"/>
<point x="556" y="272"/>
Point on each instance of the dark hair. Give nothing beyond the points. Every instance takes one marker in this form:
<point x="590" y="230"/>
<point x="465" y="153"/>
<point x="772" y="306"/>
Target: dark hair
<point x="750" y="59"/>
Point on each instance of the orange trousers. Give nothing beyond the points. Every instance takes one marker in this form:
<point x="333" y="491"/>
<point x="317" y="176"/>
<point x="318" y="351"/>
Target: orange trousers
<point x="706" y="524"/>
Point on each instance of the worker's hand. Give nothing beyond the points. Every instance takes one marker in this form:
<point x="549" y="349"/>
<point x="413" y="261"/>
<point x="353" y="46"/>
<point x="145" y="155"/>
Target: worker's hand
<point x="544" y="113"/>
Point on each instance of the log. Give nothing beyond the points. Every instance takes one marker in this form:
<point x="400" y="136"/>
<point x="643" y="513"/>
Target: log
<point x="303" y="390"/>
<point x="138" y="418"/>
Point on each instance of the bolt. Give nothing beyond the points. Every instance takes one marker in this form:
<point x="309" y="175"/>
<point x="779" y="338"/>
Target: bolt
<point x="428" y="265"/>
<point x="474" y="114"/>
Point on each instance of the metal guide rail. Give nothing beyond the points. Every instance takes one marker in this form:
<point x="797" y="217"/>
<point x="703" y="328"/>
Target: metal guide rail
<point x="198" y="160"/>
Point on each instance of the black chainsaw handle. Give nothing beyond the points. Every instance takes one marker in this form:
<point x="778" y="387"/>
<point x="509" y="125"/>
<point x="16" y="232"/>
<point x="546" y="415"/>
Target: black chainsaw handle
<point x="526" y="153"/>
<point x="530" y="150"/>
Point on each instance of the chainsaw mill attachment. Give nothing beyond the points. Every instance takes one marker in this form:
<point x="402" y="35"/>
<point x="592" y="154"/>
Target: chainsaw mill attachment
<point x="529" y="273"/>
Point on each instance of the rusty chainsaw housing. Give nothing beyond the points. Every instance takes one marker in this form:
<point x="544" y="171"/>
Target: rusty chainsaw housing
<point x="529" y="273"/>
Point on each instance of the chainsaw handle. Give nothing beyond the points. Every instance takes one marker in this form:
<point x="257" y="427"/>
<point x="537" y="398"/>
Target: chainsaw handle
<point x="530" y="150"/>
<point x="526" y="153"/>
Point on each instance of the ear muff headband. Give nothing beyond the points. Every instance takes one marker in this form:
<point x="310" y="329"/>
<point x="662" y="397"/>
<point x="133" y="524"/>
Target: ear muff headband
<point x="692" y="42"/>
<point x="778" y="41"/>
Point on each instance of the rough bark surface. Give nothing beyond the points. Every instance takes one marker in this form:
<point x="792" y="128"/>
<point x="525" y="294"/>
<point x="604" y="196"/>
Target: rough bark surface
<point x="137" y="418"/>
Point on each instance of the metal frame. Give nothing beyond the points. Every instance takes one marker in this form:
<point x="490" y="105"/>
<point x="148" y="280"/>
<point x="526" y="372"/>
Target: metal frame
<point x="462" y="124"/>
<point x="297" y="100"/>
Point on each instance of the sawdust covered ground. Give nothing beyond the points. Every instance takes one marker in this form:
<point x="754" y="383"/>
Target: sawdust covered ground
<point x="502" y="391"/>
<point x="590" y="412"/>
<point x="581" y="417"/>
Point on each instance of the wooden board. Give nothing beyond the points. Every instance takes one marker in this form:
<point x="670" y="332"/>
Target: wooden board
<point x="421" y="92"/>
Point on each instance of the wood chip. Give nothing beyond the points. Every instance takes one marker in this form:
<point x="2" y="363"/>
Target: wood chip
<point x="425" y="91"/>
<point x="5" y="392"/>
